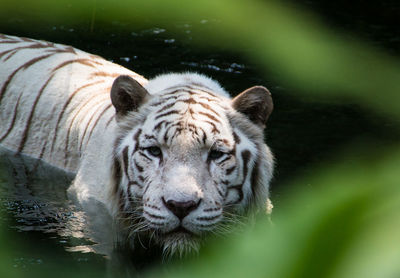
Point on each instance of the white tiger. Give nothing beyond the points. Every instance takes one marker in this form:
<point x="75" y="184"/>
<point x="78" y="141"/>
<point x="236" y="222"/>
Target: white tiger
<point x="173" y="158"/>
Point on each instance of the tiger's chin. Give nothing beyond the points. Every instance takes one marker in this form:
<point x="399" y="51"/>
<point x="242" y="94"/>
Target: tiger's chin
<point x="179" y="244"/>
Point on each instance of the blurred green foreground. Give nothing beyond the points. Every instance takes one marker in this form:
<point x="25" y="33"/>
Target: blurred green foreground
<point x="348" y="225"/>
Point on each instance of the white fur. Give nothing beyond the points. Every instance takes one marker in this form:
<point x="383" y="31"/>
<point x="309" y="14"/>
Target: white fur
<point x="165" y="81"/>
<point x="79" y="133"/>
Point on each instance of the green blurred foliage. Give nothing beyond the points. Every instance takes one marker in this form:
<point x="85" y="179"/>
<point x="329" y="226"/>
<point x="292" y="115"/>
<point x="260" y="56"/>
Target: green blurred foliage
<point x="348" y="224"/>
<point x="294" y="42"/>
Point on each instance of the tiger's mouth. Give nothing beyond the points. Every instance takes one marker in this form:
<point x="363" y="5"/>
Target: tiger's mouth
<point x="180" y="230"/>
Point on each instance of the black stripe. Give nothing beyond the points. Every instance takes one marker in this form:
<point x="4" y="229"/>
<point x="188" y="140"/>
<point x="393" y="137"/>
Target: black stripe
<point x="101" y="101"/>
<point x="125" y="160"/>
<point x="63" y="110"/>
<point x="144" y="155"/>
<point x="158" y="126"/>
<point x="37" y="163"/>
<point x="121" y="202"/>
<point x="208" y="107"/>
<point x="211" y="209"/>
<point x="116" y="174"/>
<point x="149" y="137"/>
<point x="147" y="187"/>
<point x="166" y="107"/>
<point x="178" y="125"/>
<point x="110" y="120"/>
<point x="204" y="135"/>
<point x="138" y="167"/>
<point x="154" y="216"/>
<point x="239" y="189"/>
<point x="167" y="114"/>
<point x="6" y="52"/>
<point x="200" y="85"/>
<point x="12" y="120"/>
<point x="209" y="116"/>
<point x="246" y="157"/>
<point x="165" y="137"/>
<point x="223" y="196"/>
<point x="10" y="55"/>
<point x="9" y="42"/>
<point x="236" y="138"/>
<point x="103" y="74"/>
<point x="89" y="122"/>
<point x="208" y="218"/>
<point x="205" y="91"/>
<point x="193" y="128"/>
<point x="150" y="205"/>
<point x="191" y="112"/>
<point x="136" y="139"/>
<point x="83" y="61"/>
<point x="189" y="90"/>
<point x="188" y="101"/>
<point x="177" y="131"/>
<point x="35" y="45"/>
<point x="27" y="126"/>
<point x="193" y="101"/>
<point x="254" y="178"/>
<point x="32" y="46"/>
<point x="230" y="170"/>
<point x="24" y="66"/>
<point x="42" y="151"/>
<point x="216" y="100"/>
<point x="134" y="183"/>
<point x="163" y="100"/>
<point x="225" y="159"/>
<point x="128" y="193"/>
<point x="214" y="129"/>
<point x="98" y="119"/>
<point x="175" y="91"/>
<point x="71" y="124"/>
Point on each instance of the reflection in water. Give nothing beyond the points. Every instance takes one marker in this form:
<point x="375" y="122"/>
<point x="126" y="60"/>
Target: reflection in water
<point x="34" y="199"/>
<point x="34" y="193"/>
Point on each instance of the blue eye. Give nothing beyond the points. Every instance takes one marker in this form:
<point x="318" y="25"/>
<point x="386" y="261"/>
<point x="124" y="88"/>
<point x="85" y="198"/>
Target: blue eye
<point x="154" y="151"/>
<point x="214" y="154"/>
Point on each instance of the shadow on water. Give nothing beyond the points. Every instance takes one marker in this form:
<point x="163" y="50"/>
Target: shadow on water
<point x="302" y="132"/>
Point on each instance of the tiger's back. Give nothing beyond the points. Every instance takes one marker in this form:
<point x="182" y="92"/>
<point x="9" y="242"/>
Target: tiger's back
<point x="53" y="98"/>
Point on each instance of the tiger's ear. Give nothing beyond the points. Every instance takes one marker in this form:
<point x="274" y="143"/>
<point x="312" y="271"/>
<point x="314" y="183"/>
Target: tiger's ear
<point x="255" y="103"/>
<point x="127" y="95"/>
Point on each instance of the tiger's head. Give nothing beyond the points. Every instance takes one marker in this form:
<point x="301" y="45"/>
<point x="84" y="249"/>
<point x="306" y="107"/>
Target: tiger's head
<point x="188" y="160"/>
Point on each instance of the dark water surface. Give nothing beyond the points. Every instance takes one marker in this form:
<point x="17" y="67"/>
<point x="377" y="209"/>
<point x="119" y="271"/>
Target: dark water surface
<point x="302" y="132"/>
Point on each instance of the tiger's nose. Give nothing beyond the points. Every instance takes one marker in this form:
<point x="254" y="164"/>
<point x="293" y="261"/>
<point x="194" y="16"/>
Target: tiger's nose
<point x="181" y="209"/>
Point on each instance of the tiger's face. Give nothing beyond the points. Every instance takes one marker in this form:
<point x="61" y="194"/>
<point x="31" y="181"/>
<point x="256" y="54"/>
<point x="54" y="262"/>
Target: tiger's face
<point x="185" y="165"/>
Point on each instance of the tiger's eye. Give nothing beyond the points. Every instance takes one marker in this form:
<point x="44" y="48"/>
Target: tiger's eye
<point x="154" y="151"/>
<point x="214" y="154"/>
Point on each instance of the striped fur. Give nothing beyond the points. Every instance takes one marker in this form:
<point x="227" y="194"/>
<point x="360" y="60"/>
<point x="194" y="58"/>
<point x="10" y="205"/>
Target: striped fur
<point x="173" y="158"/>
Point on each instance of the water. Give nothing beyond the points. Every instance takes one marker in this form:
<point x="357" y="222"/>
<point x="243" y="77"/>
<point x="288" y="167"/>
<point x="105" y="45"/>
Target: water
<point x="48" y="229"/>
